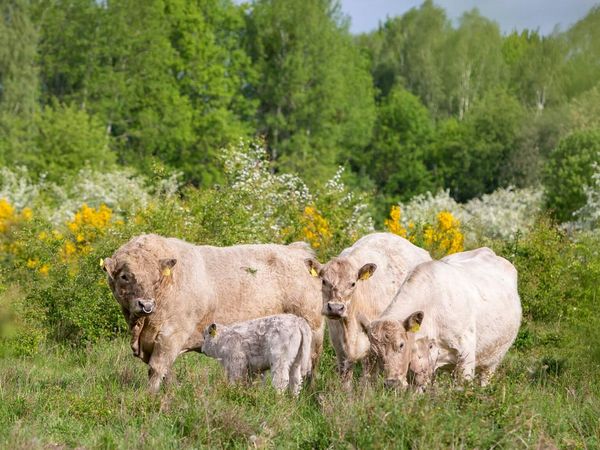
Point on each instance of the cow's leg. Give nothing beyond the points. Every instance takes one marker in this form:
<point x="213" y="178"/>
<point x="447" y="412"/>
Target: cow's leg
<point x="465" y="368"/>
<point x="486" y="374"/>
<point x="346" y="370"/>
<point x="369" y="363"/>
<point x="163" y="356"/>
<point x="280" y="372"/>
<point x="317" y="347"/>
<point x="296" y="377"/>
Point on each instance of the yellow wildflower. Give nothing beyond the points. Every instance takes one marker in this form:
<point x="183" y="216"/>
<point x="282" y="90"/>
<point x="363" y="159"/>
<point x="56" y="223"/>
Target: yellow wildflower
<point x="32" y="263"/>
<point x="44" y="269"/>
<point x="42" y="236"/>
<point x="393" y="224"/>
<point x="7" y="214"/>
<point x="27" y="214"/>
<point x="316" y="228"/>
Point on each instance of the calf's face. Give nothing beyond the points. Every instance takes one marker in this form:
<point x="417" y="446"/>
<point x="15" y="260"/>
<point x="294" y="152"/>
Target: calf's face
<point x="134" y="282"/>
<point x="422" y="361"/>
<point x="392" y="342"/>
<point x="339" y="280"/>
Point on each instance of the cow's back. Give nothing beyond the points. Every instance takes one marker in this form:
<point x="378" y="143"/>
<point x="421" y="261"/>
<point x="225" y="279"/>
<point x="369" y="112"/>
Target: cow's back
<point x="250" y="281"/>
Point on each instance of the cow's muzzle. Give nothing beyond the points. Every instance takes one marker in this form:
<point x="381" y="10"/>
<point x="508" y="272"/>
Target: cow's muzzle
<point x="145" y="306"/>
<point x="334" y="310"/>
<point x="391" y="383"/>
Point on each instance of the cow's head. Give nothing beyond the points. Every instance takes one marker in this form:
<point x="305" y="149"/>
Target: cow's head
<point x="392" y="342"/>
<point x="135" y="279"/>
<point x="422" y="362"/>
<point x="339" y="280"/>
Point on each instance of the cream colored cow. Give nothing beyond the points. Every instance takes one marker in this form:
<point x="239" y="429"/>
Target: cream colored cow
<point x="467" y="304"/>
<point x="359" y="284"/>
<point x="170" y="290"/>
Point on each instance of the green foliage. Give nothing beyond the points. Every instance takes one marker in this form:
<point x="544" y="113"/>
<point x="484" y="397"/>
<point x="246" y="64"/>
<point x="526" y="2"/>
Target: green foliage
<point x="68" y="139"/>
<point x="167" y="80"/>
<point x="568" y="170"/>
<point x="549" y="267"/>
<point x="315" y="91"/>
<point x="397" y="155"/>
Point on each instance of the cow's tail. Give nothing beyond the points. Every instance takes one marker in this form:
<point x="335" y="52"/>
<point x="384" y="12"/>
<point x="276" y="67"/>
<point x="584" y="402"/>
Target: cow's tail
<point x="305" y="353"/>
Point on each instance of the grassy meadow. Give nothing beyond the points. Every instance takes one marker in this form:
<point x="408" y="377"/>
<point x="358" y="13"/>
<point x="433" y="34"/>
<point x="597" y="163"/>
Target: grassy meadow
<point x="68" y="379"/>
<point x="95" y="397"/>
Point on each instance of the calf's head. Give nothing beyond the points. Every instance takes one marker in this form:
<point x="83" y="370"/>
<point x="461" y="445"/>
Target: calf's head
<point x="392" y="342"/>
<point x="339" y="280"/>
<point x="422" y="362"/>
<point x="134" y="281"/>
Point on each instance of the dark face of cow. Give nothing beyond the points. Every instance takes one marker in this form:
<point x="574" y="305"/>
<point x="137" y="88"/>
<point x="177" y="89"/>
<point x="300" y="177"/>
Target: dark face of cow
<point x="134" y="282"/>
<point x="339" y="280"/>
<point x="392" y="343"/>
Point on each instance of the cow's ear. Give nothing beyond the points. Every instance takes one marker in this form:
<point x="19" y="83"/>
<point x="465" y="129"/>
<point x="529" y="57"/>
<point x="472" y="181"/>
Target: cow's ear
<point x="212" y="329"/>
<point x="108" y="265"/>
<point x="366" y="271"/>
<point x="166" y="265"/>
<point x="414" y="321"/>
<point x="314" y="267"/>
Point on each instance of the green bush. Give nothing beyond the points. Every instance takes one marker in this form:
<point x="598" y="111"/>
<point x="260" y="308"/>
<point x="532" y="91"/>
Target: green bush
<point x="568" y="170"/>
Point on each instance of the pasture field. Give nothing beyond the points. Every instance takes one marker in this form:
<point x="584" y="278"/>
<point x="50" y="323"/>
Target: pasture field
<point x="544" y="396"/>
<point x="68" y="379"/>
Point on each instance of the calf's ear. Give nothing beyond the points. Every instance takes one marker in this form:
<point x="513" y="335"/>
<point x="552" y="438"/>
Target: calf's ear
<point x="414" y="321"/>
<point x="166" y="265"/>
<point x="314" y="267"/>
<point x="366" y="271"/>
<point x="364" y="322"/>
<point x="108" y="265"/>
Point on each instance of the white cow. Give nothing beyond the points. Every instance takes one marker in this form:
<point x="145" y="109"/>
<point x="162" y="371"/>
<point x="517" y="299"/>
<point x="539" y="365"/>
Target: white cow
<point x="280" y="343"/>
<point x="467" y="304"/>
<point x="361" y="283"/>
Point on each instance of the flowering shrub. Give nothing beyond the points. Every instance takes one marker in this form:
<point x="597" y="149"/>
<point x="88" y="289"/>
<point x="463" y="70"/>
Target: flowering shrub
<point x="315" y="228"/>
<point x="440" y="238"/>
<point x="499" y="215"/>
<point x="588" y="216"/>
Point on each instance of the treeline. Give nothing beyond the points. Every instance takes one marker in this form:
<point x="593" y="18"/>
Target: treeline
<point x="415" y="106"/>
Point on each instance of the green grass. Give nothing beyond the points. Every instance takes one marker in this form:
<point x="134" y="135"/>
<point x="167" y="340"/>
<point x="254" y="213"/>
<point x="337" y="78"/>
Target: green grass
<point x="96" y="397"/>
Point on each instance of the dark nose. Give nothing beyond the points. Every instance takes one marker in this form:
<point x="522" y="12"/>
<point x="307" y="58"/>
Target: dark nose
<point x="336" y="308"/>
<point x="146" y="306"/>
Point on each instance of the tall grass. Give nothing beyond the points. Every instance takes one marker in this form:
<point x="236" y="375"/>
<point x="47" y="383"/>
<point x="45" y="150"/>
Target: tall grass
<point x="95" y="397"/>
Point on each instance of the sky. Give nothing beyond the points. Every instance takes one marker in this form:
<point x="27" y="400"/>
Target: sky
<point x="510" y="14"/>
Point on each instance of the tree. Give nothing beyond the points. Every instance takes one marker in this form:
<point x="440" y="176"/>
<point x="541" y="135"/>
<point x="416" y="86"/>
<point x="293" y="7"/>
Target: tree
<point x="314" y="87"/>
<point x="19" y="81"/>
<point x="167" y="79"/>
<point x="67" y="139"/>
<point x="535" y="64"/>
<point x="569" y="169"/>
<point x="396" y="158"/>
<point x="475" y="156"/>
<point x="471" y="63"/>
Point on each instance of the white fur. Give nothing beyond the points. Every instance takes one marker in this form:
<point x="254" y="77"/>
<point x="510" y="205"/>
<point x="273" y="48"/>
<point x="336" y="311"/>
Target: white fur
<point x="279" y="343"/>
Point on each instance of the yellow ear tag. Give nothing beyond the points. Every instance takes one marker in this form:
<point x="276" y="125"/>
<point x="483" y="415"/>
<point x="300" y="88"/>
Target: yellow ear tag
<point x="213" y="332"/>
<point x="416" y="327"/>
<point x="166" y="272"/>
<point x="313" y="272"/>
<point x="101" y="262"/>
<point x="365" y="276"/>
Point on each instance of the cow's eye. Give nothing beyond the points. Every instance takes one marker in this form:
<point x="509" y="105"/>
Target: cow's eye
<point x="401" y="345"/>
<point x="430" y="346"/>
<point x="124" y="277"/>
<point x="353" y="284"/>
